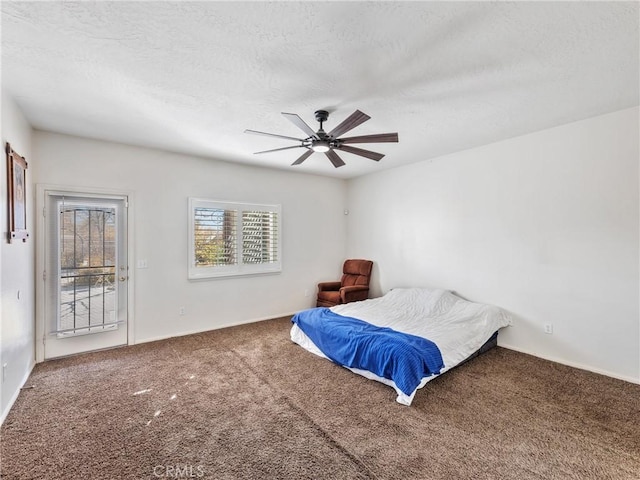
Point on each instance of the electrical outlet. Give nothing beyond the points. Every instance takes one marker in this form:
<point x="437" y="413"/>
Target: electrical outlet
<point x="4" y="372"/>
<point x="181" y="311"/>
<point x="142" y="264"/>
<point x="306" y="293"/>
<point x="548" y="328"/>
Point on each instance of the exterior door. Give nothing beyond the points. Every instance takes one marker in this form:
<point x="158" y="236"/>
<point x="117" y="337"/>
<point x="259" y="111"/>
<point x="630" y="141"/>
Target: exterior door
<point x="86" y="273"/>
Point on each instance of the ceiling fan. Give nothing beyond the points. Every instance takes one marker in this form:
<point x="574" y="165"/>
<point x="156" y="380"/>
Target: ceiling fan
<point x="326" y="143"/>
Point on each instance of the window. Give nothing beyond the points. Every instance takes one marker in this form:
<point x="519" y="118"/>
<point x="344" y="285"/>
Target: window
<point x="227" y="239"/>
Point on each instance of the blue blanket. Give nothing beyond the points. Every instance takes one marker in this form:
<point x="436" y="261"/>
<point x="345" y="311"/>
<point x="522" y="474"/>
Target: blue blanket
<point x="390" y="354"/>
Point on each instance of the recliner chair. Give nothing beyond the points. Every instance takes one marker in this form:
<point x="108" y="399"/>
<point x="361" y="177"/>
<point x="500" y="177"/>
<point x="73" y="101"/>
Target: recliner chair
<point x="353" y="286"/>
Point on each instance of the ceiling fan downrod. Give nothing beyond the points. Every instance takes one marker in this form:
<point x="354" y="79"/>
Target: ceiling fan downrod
<point x="321" y="116"/>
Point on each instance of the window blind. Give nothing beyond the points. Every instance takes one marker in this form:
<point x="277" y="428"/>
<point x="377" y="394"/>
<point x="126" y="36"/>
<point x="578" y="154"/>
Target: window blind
<point x="259" y="237"/>
<point x="229" y="238"/>
<point x="215" y="236"/>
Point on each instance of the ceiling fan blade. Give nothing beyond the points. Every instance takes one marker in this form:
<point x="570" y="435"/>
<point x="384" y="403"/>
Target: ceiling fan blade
<point x="335" y="159"/>
<point x="255" y="132"/>
<point x="298" y="122"/>
<point x="303" y="157"/>
<point x="363" y="153"/>
<point x="352" y="121"/>
<point x="377" y="138"/>
<point x="278" y="149"/>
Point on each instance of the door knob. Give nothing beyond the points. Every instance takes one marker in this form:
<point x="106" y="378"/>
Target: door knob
<point x="122" y="279"/>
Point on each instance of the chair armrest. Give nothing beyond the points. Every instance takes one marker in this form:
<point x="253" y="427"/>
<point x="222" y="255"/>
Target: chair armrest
<point x="329" y="286"/>
<point x="354" y="293"/>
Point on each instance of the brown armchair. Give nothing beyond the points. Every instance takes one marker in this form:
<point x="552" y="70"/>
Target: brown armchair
<point x="354" y="285"/>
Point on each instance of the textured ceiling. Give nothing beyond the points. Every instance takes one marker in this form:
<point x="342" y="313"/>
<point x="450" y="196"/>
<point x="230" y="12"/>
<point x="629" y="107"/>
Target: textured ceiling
<point x="191" y="76"/>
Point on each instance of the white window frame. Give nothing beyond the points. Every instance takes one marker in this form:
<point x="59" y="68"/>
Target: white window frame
<point x="240" y="268"/>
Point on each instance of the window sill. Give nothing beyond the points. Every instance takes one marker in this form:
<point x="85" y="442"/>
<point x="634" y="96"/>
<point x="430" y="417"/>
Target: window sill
<point x="209" y="276"/>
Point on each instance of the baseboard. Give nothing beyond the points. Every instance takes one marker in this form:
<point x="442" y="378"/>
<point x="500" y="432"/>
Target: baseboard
<point x="573" y="364"/>
<point x="15" y="395"/>
<point x="226" y="325"/>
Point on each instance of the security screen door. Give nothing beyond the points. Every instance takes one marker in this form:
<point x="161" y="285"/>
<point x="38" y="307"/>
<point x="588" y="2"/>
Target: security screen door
<point x="86" y="273"/>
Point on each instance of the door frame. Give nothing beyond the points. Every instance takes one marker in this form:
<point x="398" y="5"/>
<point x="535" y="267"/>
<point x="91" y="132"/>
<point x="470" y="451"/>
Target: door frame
<point x="41" y="321"/>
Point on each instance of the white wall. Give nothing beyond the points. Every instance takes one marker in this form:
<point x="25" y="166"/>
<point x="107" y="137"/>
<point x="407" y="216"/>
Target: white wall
<point x="544" y="225"/>
<point x="314" y="230"/>
<point x="17" y="310"/>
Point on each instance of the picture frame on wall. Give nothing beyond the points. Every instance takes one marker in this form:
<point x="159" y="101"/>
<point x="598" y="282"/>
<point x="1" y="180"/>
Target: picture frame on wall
<point x="17" y="190"/>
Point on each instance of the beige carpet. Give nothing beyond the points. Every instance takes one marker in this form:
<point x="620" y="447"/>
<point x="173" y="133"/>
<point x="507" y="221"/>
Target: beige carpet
<point x="245" y="402"/>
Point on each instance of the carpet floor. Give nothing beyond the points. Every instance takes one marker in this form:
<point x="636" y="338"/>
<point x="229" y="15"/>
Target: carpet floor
<point x="247" y="403"/>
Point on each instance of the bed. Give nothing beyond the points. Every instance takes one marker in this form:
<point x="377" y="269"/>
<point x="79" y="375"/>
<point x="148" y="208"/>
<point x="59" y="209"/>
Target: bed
<point x="403" y="339"/>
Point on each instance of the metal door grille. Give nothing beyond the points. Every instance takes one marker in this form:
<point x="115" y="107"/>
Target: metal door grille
<point x="87" y="269"/>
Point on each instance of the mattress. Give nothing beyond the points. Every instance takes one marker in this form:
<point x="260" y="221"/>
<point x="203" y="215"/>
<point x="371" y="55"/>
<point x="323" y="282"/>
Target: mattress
<point x="458" y="327"/>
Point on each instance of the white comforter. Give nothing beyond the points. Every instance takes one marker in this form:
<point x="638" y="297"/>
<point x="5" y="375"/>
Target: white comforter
<point x="458" y="327"/>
